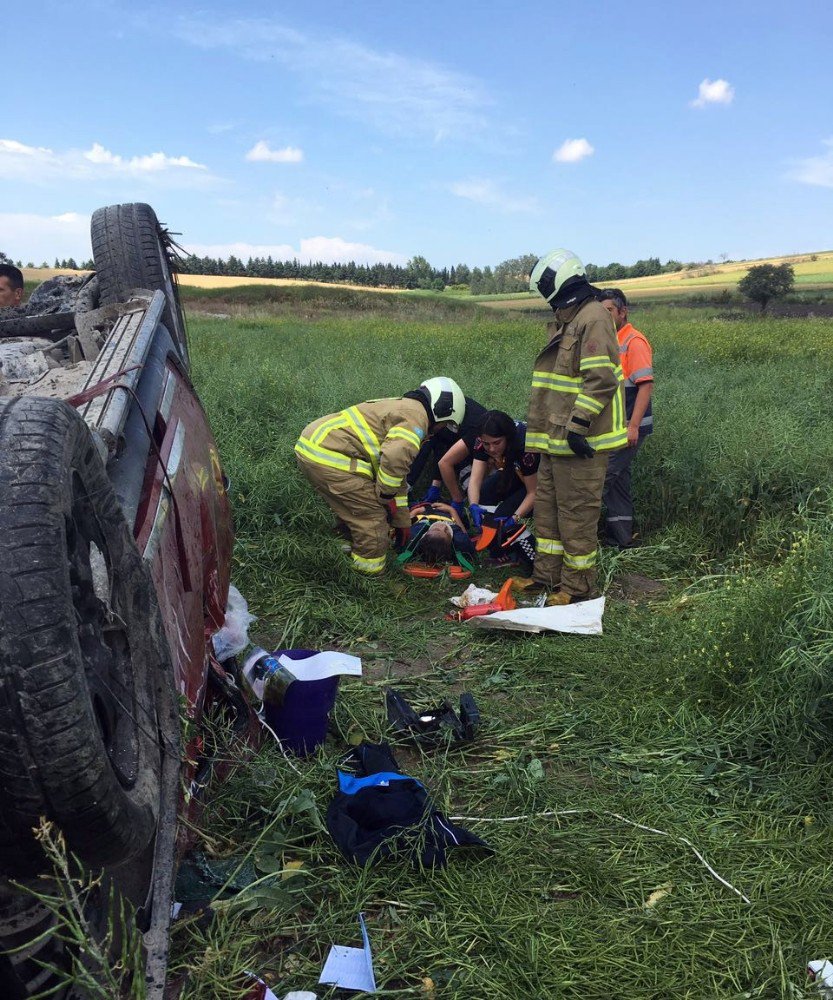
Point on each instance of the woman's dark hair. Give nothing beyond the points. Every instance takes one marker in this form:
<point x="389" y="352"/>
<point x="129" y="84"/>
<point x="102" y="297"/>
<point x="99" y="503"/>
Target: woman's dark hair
<point x="434" y="548"/>
<point x="497" y="424"/>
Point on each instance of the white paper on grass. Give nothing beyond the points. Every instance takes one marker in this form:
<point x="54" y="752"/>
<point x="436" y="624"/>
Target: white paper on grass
<point x="350" y="968"/>
<point x="584" y="618"/>
<point x="822" y="973"/>
<point x="473" y="595"/>
<point x="323" y="665"/>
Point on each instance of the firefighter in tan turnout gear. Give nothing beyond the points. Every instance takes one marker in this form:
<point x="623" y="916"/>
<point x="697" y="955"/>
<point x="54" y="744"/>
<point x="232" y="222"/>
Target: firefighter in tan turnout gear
<point x="576" y="418"/>
<point x="358" y="460"/>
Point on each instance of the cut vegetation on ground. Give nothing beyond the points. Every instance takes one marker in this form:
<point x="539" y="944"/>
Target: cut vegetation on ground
<point x="704" y="710"/>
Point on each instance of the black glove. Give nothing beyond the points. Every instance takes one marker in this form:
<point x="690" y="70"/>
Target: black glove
<point x="578" y="445"/>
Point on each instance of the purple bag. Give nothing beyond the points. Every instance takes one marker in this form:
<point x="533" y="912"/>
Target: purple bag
<point x="300" y="723"/>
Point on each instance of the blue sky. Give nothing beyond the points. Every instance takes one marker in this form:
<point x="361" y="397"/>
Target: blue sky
<point x="460" y="132"/>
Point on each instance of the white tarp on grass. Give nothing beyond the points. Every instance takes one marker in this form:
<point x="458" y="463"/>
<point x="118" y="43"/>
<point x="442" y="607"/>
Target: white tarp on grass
<point x="584" y="618"/>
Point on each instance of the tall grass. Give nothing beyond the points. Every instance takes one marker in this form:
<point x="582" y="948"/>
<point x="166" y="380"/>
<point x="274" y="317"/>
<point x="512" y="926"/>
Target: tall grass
<point x="705" y="713"/>
<point x="740" y="411"/>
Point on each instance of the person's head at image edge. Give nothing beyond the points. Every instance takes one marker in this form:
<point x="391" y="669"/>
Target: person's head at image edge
<point x="11" y="286"/>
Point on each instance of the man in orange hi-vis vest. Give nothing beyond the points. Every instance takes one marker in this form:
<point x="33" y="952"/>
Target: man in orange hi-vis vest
<point x="638" y="371"/>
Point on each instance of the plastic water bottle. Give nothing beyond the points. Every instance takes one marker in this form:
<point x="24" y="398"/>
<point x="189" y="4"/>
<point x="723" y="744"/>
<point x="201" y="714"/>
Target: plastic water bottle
<point x="266" y="677"/>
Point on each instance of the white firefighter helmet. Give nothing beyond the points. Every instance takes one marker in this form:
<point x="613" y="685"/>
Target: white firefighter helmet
<point x="445" y="399"/>
<point x="552" y="270"/>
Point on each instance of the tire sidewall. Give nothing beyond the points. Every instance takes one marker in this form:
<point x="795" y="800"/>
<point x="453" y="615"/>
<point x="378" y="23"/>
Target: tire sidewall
<point x="64" y="770"/>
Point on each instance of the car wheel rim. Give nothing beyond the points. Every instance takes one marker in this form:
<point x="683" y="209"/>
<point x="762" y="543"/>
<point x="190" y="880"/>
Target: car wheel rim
<point x="103" y="636"/>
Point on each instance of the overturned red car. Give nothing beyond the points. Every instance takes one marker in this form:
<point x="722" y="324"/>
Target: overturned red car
<point x="115" y="553"/>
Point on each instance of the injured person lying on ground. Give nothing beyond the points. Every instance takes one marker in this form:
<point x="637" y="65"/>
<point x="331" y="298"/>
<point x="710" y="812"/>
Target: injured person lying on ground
<point x="438" y="541"/>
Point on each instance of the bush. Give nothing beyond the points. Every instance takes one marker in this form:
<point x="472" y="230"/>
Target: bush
<point x="765" y="282"/>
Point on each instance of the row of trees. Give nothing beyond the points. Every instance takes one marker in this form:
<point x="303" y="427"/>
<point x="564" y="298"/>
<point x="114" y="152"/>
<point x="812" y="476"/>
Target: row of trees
<point x="509" y="276"/>
<point x="417" y="273"/>
<point x="641" y="269"/>
<point x="69" y="263"/>
<point x="762" y="283"/>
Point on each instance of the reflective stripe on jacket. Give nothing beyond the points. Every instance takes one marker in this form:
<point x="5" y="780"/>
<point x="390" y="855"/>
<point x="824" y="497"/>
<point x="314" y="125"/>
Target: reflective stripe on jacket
<point x="378" y="439"/>
<point x="637" y="366"/>
<point x="577" y="384"/>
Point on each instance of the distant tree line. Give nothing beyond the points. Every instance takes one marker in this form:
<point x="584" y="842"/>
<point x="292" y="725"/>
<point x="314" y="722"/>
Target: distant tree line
<point x="417" y="273"/>
<point x="597" y="274"/>
<point x="66" y="263"/>
<point x="509" y="276"/>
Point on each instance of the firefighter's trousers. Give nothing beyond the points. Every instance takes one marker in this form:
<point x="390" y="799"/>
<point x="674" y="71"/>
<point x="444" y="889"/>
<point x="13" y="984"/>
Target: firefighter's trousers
<point x="617" y="497"/>
<point x="352" y="498"/>
<point x="568" y="502"/>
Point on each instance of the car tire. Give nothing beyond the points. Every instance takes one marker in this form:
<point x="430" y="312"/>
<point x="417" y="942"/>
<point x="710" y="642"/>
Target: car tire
<point x="83" y="655"/>
<point x="132" y="250"/>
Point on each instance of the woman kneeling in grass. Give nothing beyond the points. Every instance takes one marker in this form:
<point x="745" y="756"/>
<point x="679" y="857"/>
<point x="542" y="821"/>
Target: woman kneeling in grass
<point x="503" y="474"/>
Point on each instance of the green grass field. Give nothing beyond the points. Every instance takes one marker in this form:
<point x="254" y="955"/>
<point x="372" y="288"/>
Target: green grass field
<point x="704" y="710"/>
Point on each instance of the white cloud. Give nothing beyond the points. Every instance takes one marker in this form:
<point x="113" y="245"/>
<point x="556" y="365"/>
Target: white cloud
<point x="572" y="150"/>
<point x="12" y="147"/>
<point x="714" y="92"/>
<point x="30" y="237"/>
<point x="38" y="238"/>
<point x="39" y="164"/>
<point x="336" y="250"/>
<point x="488" y="193"/>
<point x="328" y="249"/>
<point x="261" y="152"/>
<point x="389" y="91"/>
<point x="152" y="163"/>
<point x="816" y="170"/>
